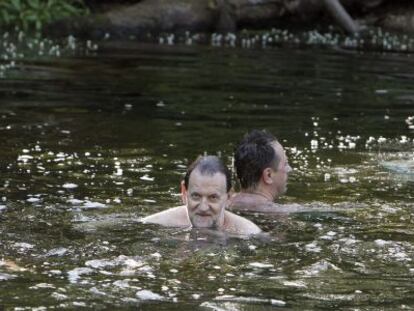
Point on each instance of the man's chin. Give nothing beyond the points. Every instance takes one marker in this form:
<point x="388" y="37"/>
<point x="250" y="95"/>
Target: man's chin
<point x="202" y="222"/>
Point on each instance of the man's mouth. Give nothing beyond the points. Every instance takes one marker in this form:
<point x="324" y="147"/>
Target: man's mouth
<point x="203" y="214"/>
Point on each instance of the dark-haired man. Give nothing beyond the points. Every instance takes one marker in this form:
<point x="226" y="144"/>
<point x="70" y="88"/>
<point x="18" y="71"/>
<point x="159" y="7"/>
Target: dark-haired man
<point x="262" y="169"/>
<point x="205" y="193"/>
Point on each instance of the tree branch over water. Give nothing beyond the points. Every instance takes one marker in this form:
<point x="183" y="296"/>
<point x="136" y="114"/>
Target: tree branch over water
<point x="341" y="16"/>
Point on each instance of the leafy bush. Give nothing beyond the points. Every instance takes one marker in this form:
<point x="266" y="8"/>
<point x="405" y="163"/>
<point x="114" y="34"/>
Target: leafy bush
<point x="34" y="14"/>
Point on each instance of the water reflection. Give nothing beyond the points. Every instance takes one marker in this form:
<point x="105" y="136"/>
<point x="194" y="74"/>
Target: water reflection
<point x="92" y="143"/>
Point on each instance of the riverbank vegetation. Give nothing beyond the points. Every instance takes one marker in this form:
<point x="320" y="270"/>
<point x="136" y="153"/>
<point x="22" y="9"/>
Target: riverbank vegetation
<point x="32" y="15"/>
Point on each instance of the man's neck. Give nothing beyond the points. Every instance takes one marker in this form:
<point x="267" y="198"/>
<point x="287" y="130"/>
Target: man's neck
<point x="258" y="195"/>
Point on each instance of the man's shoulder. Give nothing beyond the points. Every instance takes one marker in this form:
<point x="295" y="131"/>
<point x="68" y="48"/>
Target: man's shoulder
<point x="241" y="225"/>
<point x="172" y="217"/>
<point x="246" y="203"/>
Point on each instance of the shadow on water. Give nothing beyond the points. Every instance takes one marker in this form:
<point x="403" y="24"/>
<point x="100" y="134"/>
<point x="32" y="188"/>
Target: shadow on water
<point x="91" y="143"/>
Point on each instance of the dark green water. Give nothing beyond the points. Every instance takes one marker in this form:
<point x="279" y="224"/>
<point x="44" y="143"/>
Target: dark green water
<point x="91" y="143"/>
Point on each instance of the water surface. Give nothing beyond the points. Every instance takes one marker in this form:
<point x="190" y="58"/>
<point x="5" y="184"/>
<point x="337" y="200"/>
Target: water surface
<point x="92" y="142"/>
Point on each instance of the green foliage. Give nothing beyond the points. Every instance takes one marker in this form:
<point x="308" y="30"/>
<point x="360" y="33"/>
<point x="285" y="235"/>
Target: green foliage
<point x="34" y="14"/>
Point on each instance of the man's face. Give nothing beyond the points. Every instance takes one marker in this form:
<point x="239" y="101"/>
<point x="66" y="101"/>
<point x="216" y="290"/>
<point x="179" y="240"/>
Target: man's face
<point x="280" y="175"/>
<point x="206" y="199"/>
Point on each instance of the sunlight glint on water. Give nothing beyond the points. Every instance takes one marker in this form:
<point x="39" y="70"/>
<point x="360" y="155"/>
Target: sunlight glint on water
<point x="92" y="143"/>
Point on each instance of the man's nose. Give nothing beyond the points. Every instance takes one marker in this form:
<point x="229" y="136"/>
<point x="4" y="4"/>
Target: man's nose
<point x="289" y="169"/>
<point x="203" y="205"/>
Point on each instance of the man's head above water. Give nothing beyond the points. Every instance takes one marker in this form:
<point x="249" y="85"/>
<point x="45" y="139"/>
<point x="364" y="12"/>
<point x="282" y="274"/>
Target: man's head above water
<point x="206" y="192"/>
<point x="261" y="165"/>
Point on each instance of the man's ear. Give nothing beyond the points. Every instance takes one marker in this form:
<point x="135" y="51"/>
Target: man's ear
<point x="267" y="175"/>
<point x="183" y="191"/>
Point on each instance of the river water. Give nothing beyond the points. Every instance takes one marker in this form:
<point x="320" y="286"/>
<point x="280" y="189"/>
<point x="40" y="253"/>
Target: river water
<point x="92" y="142"/>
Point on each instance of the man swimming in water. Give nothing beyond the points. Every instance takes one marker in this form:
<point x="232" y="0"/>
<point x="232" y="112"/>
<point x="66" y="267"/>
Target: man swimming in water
<point x="205" y="193"/>
<point x="262" y="168"/>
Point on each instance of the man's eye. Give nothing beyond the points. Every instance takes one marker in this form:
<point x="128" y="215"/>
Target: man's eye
<point x="195" y="196"/>
<point x="214" y="197"/>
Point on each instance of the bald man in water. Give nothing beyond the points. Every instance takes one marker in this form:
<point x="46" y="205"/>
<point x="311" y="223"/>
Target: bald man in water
<point x="262" y="168"/>
<point x="205" y="193"/>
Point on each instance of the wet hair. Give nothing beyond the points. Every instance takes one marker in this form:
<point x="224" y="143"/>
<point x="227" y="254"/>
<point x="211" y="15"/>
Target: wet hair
<point x="208" y="165"/>
<point x="252" y="155"/>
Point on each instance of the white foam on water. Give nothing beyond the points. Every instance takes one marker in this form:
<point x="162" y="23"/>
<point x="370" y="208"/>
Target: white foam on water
<point x="75" y="274"/>
<point x="147" y="178"/>
<point x="59" y="251"/>
<point x="23" y="245"/>
<point x="90" y="204"/>
<point x="313" y="247"/>
<point x="96" y="291"/>
<point x="132" y="263"/>
<point x="75" y="201"/>
<point x="318" y="267"/>
<point x="121" y="284"/>
<point x="250" y="300"/>
<point x="60" y="155"/>
<point x="129" y="300"/>
<point x="70" y="186"/>
<point x="148" y="295"/>
<point x="24" y="158"/>
<point x="348" y="241"/>
<point x="328" y="236"/>
<point x="81" y="218"/>
<point x="216" y="307"/>
<point x="42" y="285"/>
<point x="156" y="255"/>
<point x="330" y="297"/>
<point x="277" y="302"/>
<point x="381" y="243"/>
<point x="33" y="200"/>
<point x="399" y="166"/>
<point x="298" y="284"/>
<point x="100" y="263"/>
<point x="6" y="276"/>
<point x="127" y="272"/>
<point x="55" y="272"/>
<point x="59" y="296"/>
<point x="260" y="265"/>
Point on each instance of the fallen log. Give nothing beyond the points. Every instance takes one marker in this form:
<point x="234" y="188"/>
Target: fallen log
<point x="156" y="16"/>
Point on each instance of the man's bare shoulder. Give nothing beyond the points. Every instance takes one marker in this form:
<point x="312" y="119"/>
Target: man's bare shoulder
<point x="243" y="203"/>
<point x="172" y="217"/>
<point x="246" y="203"/>
<point x="240" y="225"/>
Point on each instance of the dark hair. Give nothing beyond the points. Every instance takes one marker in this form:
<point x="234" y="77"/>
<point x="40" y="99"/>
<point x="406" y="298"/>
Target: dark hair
<point x="208" y="165"/>
<point x="252" y="155"/>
